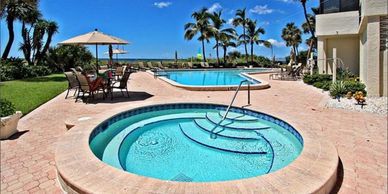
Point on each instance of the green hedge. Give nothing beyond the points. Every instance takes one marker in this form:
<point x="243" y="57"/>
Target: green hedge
<point x="15" y="68"/>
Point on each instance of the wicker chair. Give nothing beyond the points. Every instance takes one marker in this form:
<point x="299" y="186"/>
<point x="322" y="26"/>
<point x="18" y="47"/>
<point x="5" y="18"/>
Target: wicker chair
<point x="123" y="84"/>
<point x="84" y="87"/>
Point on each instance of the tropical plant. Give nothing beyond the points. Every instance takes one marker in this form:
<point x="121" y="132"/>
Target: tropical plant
<point x="337" y="89"/>
<point x="292" y="35"/>
<point x="221" y="36"/>
<point x="309" y="28"/>
<point x="225" y="43"/>
<point x="6" y="108"/>
<point x="13" y="10"/>
<point x="65" y="57"/>
<point x="253" y="36"/>
<point x="202" y="27"/>
<point x="33" y="46"/>
<point x="242" y="20"/>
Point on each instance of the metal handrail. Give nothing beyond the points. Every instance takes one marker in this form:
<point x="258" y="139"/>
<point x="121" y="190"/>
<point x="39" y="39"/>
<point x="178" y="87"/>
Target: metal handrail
<point x="235" y="95"/>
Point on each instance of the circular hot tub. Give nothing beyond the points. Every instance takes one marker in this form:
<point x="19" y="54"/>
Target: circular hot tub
<point x="196" y="142"/>
<point x="194" y="148"/>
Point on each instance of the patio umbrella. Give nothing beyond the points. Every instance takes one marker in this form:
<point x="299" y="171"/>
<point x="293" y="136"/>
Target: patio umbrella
<point x="94" y="38"/>
<point x="117" y="52"/>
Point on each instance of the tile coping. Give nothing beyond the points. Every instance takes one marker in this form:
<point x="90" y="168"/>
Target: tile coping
<point x="256" y="86"/>
<point x="80" y="171"/>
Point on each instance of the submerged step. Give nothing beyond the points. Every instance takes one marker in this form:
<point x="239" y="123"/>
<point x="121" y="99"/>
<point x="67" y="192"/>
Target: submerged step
<point x="225" y="132"/>
<point x="217" y="120"/>
<point x="111" y="152"/>
<point x="237" y="116"/>
<point x="193" y="132"/>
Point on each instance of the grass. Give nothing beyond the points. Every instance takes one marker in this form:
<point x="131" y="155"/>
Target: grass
<point x="28" y="94"/>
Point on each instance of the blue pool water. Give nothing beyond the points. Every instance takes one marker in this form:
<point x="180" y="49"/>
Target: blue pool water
<point x="210" y="77"/>
<point x="191" y="143"/>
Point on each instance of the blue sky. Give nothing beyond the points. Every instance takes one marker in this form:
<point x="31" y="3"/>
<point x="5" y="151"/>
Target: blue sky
<point x="155" y="28"/>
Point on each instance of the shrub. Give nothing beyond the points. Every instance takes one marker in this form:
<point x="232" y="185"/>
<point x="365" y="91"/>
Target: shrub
<point x="65" y="57"/>
<point x="324" y="85"/>
<point x="337" y="89"/>
<point x="354" y="86"/>
<point x="311" y="79"/>
<point x="15" y="68"/>
<point x="6" y="108"/>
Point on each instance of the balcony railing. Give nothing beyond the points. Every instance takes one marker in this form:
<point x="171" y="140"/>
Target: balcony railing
<point x="335" y="6"/>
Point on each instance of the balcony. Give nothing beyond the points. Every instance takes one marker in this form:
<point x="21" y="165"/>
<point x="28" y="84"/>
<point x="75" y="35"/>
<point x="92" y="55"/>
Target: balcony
<point x="335" y="6"/>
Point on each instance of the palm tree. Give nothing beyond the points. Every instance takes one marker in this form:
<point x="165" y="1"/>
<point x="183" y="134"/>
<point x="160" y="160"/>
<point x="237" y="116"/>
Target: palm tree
<point x="30" y="18"/>
<point x="253" y="36"/>
<point x="14" y="10"/>
<point x="51" y="29"/>
<point x="309" y="27"/>
<point x="292" y="36"/>
<point x="220" y="33"/>
<point x="242" y="20"/>
<point x="201" y="26"/>
<point x="226" y="42"/>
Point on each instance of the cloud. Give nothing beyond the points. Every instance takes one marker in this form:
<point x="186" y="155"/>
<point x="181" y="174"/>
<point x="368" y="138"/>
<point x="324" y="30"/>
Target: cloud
<point x="230" y="21"/>
<point x="287" y="1"/>
<point x="277" y="43"/>
<point x="162" y="4"/>
<point x="215" y="7"/>
<point x="261" y="10"/>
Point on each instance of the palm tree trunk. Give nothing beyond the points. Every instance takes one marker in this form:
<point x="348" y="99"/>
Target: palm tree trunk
<point x="203" y="51"/>
<point x="245" y="45"/>
<point x="307" y="20"/>
<point x="252" y="53"/>
<point x="218" y="57"/>
<point x="11" y="37"/>
<point x="47" y="45"/>
<point x="225" y="48"/>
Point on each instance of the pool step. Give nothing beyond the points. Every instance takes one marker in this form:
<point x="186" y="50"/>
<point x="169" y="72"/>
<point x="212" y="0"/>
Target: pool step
<point x="240" y="125"/>
<point x="237" y="116"/>
<point x="193" y="132"/>
<point x="111" y="152"/>
<point x="211" y="128"/>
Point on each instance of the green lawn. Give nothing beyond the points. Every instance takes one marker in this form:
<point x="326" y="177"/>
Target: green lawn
<point x="29" y="94"/>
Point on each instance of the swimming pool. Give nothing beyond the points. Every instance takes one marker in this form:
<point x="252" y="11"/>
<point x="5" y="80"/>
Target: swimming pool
<point x="192" y="142"/>
<point x="211" y="77"/>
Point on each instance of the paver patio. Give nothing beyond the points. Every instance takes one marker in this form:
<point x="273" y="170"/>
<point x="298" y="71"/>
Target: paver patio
<point x="27" y="160"/>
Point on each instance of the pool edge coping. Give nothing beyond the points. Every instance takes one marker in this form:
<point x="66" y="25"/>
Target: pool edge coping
<point x="81" y="172"/>
<point x="262" y="85"/>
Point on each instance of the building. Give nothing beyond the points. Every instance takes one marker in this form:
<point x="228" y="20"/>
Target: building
<point x="356" y="33"/>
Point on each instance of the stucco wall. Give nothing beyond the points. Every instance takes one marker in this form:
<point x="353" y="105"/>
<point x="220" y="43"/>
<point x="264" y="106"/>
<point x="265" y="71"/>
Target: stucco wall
<point x="374" y="7"/>
<point x="363" y="57"/>
<point x="343" y="23"/>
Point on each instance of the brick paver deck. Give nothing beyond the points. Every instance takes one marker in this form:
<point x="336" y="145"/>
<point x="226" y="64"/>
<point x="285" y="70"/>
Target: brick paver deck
<point x="27" y="160"/>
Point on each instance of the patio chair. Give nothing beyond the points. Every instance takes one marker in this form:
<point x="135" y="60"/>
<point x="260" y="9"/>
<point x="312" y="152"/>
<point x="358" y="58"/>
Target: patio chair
<point x="149" y="65"/>
<point x="86" y="88"/>
<point x="205" y="65"/>
<point x="123" y="84"/>
<point x="119" y="71"/>
<point x="72" y="83"/>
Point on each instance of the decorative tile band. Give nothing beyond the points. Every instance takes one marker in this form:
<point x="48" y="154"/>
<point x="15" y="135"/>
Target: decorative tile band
<point x="120" y="116"/>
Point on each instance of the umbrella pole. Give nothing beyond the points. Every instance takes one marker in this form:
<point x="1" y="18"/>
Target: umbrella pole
<point x="96" y="58"/>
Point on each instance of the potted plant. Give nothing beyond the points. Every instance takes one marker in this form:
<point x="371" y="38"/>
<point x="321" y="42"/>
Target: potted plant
<point x="9" y="119"/>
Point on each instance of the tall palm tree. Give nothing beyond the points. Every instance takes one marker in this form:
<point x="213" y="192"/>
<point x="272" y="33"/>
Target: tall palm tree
<point x="309" y="27"/>
<point x="242" y="20"/>
<point x="219" y="32"/>
<point x="201" y="26"/>
<point x="253" y="36"/>
<point x="14" y="10"/>
<point x="226" y="41"/>
<point x="29" y="18"/>
<point x="292" y="35"/>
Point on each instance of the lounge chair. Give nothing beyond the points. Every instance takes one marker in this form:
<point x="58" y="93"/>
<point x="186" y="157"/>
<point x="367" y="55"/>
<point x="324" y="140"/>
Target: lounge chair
<point x="291" y="73"/>
<point x="72" y="83"/>
<point x="190" y="65"/>
<point x="149" y="65"/>
<point x="205" y="65"/>
<point x="85" y="88"/>
<point x="123" y="84"/>
<point x="160" y="65"/>
<point x="142" y="67"/>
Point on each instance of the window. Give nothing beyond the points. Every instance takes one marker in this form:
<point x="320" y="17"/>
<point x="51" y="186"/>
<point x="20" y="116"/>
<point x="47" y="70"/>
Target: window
<point x="334" y="6"/>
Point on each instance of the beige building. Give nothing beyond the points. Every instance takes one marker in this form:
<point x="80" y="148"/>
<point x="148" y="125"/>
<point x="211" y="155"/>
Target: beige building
<point x="356" y="34"/>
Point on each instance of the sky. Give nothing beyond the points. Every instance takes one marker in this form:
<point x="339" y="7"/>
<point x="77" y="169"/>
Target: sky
<point x="155" y="28"/>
